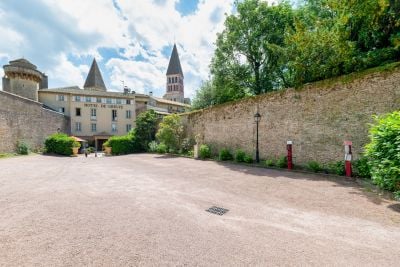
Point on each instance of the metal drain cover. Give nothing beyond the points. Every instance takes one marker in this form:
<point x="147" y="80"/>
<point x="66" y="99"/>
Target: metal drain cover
<point x="217" y="210"/>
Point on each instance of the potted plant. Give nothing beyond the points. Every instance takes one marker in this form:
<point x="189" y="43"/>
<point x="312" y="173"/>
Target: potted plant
<point x="75" y="148"/>
<point x="107" y="148"/>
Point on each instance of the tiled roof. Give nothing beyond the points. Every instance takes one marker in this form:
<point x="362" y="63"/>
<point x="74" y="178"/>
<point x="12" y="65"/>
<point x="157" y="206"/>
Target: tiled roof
<point x="94" y="79"/>
<point x="77" y="91"/>
<point x="162" y="100"/>
<point x="174" y="66"/>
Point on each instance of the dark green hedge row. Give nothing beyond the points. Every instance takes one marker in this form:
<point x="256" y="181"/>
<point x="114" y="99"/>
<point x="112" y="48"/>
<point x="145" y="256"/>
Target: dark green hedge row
<point x="60" y="144"/>
<point x="125" y="144"/>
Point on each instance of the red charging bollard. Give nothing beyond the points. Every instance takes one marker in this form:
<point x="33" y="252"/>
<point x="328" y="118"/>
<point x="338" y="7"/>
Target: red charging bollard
<point x="289" y="155"/>
<point x="347" y="157"/>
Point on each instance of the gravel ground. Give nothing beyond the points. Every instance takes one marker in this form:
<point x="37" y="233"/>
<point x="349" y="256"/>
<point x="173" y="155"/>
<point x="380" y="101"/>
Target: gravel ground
<point x="150" y="210"/>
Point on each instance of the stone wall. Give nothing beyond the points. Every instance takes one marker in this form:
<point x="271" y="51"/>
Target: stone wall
<point x="317" y="117"/>
<point x="22" y="119"/>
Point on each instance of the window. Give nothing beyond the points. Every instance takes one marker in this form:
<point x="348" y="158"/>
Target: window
<point x="88" y="99"/>
<point x="128" y="114"/>
<point x="108" y="100"/>
<point x="128" y="101"/>
<point x="60" y="98"/>
<point x="94" y="127"/>
<point x="113" y="127"/>
<point x="114" y="115"/>
<point x="93" y="113"/>
<point x="104" y="100"/>
<point x="78" y="98"/>
<point x="78" y="112"/>
<point x="118" y="101"/>
<point x="78" y="127"/>
<point x="62" y="110"/>
<point x="98" y="99"/>
<point x="128" y="127"/>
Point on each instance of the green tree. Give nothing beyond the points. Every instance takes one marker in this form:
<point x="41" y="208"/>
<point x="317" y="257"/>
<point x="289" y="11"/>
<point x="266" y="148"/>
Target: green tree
<point x="145" y="129"/>
<point x="170" y="132"/>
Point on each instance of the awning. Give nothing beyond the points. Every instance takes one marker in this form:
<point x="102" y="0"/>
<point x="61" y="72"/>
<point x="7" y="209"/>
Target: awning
<point x="78" y="139"/>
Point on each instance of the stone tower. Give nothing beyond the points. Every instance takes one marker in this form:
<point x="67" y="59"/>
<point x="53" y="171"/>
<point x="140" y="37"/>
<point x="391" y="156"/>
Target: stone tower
<point x="94" y="80"/>
<point x="22" y="78"/>
<point x="175" y="87"/>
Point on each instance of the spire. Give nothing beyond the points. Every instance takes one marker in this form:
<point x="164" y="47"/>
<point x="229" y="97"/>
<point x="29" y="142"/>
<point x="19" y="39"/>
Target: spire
<point x="174" y="66"/>
<point x="94" y="79"/>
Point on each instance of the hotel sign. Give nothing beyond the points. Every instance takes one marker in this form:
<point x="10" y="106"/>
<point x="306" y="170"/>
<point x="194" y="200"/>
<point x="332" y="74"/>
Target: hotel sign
<point x="103" y="106"/>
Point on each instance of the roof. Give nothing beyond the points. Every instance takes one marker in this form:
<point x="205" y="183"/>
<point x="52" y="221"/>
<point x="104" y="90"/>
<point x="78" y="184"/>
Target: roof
<point x="174" y="66"/>
<point x="22" y="62"/>
<point x="78" y="139"/>
<point x="77" y="91"/>
<point x="162" y="100"/>
<point x="94" y="80"/>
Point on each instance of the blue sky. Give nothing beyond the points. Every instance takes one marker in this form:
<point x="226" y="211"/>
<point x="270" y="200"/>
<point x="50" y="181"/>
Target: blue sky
<point x="131" y="40"/>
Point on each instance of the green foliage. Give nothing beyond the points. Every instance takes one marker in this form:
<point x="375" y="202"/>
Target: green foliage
<point x="361" y="168"/>
<point x="171" y="132"/>
<point x="314" y="166"/>
<point x="240" y="155"/>
<point x="90" y="149"/>
<point x="60" y="144"/>
<point x="384" y="151"/>
<point x="282" y="162"/>
<point x="337" y="168"/>
<point x="145" y="129"/>
<point x="22" y="148"/>
<point x="121" y="144"/>
<point x="270" y="162"/>
<point x="204" y="152"/>
<point x="225" y="154"/>
<point x="187" y="145"/>
<point x="153" y="146"/>
<point x="162" y="148"/>
<point x="248" y="159"/>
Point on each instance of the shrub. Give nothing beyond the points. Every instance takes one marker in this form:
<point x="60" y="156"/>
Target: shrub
<point x="361" y="168"/>
<point x="162" y="148"/>
<point x="314" y="166"/>
<point x="171" y="132"/>
<point x="240" y="155"/>
<point x="337" y="168"/>
<point x="187" y="145"/>
<point x="270" y="162"/>
<point x="248" y="159"/>
<point x="282" y="162"/>
<point x="225" y="154"/>
<point x="383" y="151"/>
<point x="145" y="130"/>
<point x="204" y="152"/>
<point x="22" y="148"/>
<point x="60" y="144"/>
<point x="121" y="144"/>
<point x="153" y="146"/>
<point x="90" y="149"/>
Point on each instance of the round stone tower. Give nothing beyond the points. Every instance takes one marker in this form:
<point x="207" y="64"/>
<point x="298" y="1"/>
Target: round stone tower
<point x="22" y="78"/>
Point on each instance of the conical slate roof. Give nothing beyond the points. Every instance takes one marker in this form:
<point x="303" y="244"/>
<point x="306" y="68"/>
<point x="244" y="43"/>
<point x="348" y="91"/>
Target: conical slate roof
<point x="174" y="66"/>
<point x="94" y="79"/>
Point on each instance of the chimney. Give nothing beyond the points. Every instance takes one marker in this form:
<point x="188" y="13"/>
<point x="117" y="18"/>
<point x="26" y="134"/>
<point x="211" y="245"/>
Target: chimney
<point x="151" y="93"/>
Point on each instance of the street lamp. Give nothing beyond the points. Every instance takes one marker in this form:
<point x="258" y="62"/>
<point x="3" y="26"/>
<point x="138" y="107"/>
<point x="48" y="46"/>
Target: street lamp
<point x="257" y="118"/>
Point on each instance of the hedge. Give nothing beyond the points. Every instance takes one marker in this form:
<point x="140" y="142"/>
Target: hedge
<point x="61" y="144"/>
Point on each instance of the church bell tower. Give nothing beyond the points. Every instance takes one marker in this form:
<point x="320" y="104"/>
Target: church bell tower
<point x="175" y="88"/>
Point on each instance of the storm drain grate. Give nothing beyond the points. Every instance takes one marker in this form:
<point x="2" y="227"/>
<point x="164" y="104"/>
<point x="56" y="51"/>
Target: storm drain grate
<point x="217" y="210"/>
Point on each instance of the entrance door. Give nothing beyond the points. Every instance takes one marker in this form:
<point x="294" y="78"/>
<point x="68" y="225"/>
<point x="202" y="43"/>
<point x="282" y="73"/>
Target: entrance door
<point x="100" y="143"/>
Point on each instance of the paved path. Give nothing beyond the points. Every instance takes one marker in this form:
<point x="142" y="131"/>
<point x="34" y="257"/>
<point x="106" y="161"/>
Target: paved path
<point x="150" y="210"/>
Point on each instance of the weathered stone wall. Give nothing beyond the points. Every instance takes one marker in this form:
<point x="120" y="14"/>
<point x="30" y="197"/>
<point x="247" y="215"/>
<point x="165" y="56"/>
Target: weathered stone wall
<point x="317" y="118"/>
<point x="22" y="119"/>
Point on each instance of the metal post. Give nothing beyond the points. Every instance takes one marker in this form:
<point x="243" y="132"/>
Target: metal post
<point x="257" y="151"/>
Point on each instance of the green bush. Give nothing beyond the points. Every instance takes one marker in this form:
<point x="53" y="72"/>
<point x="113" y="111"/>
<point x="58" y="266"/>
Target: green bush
<point x="240" y="155"/>
<point x="225" y="154"/>
<point x="270" y="162"/>
<point x="361" y="168"/>
<point x="384" y="151"/>
<point x="121" y="144"/>
<point x="187" y="145"/>
<point x="337" y="168"/>
<point x="248" y="159"/>
<point x="204" y="152"/>
<point x="171" y="132"/>
<point x="60" y="144"/>
<point x="162" y="148"/>
<point x="314" y="166"/>
<point x="145" y="130"/>
<point x="153" y="146"/>
<point x="282" y="162"/>
<point x="22" y="148"/>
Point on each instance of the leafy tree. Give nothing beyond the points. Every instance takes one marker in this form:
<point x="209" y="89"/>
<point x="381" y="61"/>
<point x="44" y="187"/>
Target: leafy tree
<point x="170" y="132"/>
<point x="145" y="130"/>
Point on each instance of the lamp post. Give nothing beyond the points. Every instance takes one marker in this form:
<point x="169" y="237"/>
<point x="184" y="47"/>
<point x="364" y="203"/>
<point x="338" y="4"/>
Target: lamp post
<point x="257" y="118"/>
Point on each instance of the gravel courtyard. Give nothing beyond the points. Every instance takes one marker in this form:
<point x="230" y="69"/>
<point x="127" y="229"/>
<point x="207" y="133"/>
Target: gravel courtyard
<point x="150" y="210"/>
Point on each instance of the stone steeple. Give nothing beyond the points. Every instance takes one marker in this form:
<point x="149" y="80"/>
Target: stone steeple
<point x="94" y="80"/>
<point x="175" y="87"/>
